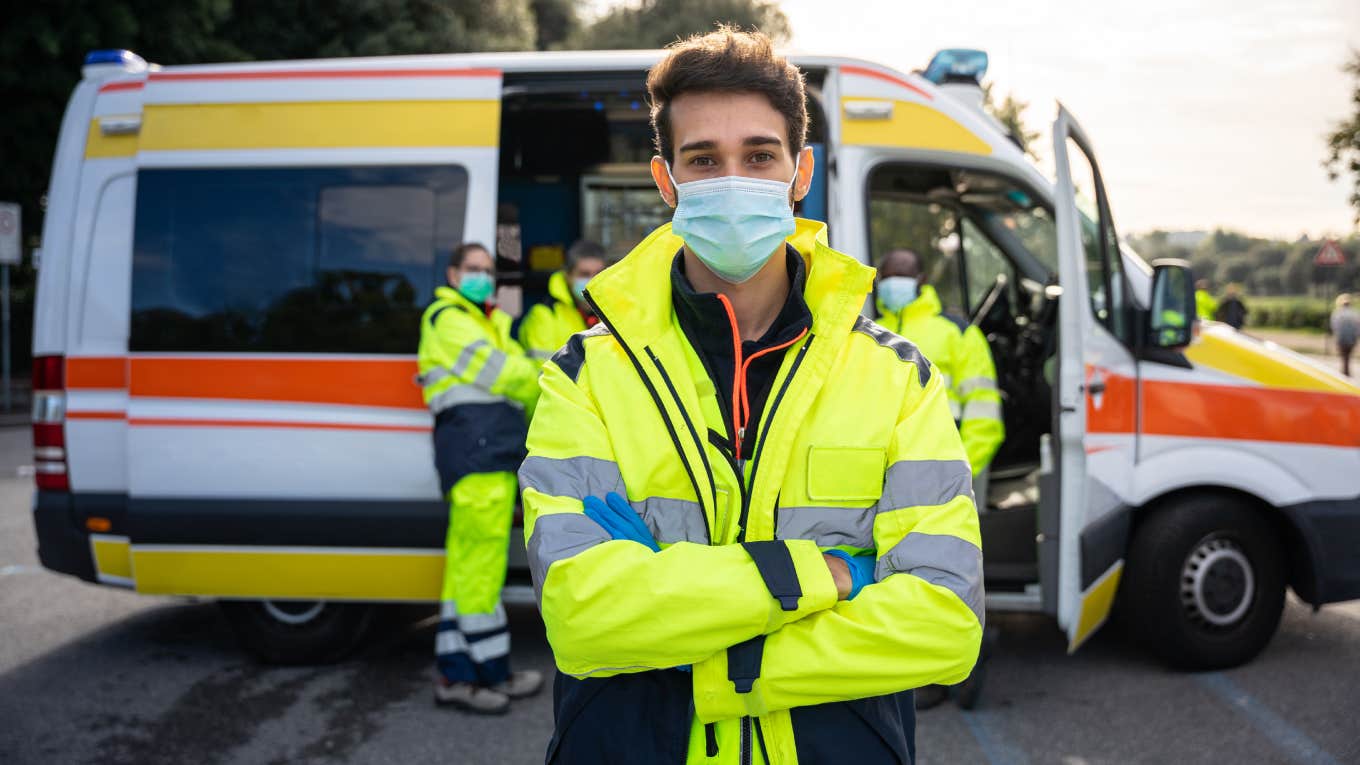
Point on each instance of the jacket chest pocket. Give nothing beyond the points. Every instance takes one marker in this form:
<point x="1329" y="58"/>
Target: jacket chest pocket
<point x="845" y="473"/>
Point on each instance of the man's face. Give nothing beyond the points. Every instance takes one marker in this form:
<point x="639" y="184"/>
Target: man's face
<point x="585" y="268"/>
<point x="721" y="134"/>
<point x="900" y="263"/>
<point x="476" y="260"/>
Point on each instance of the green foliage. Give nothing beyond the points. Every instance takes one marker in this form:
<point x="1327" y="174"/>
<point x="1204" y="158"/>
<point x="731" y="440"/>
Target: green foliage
<point x="1343" y="144"/>
<point x="657" y="23"/>
<point x="1260" y="266"/>
<point x="1294" y="312"/>
<point x="1011" y="113"/>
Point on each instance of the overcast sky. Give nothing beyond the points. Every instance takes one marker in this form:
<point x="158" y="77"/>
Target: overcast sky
<point x="1203" y="113"/>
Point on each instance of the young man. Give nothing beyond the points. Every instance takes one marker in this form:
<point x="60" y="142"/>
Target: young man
<point x="749" y="514"/>
<point x="479" y="384"/>
<point x="548" y="325"/>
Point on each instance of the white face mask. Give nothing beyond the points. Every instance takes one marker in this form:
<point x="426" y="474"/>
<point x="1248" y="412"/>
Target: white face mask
<point x="733" y="224"/>
<point x="897" y="292"/>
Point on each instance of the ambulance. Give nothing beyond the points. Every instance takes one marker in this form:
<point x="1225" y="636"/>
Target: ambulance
<point x="235" y="258"/>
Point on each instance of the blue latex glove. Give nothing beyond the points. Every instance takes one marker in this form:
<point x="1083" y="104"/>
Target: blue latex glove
<point x="616" y="516"/>
<point x="861" y="569"/>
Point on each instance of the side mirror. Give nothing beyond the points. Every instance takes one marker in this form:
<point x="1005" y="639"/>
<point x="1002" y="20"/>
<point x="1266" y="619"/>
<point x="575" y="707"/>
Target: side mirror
<point x="1173" y="304"/>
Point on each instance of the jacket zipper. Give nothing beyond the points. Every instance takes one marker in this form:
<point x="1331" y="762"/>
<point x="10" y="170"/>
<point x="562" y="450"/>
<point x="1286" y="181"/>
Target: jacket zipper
<point x="745" y="741"/>
<point x="703" y="451"/>
<point x="765" y="431"/>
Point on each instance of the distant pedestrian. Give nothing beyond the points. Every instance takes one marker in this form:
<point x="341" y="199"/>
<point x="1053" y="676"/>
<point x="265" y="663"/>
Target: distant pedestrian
<point x="1346" y="330"/>
<point x="1232" y="311"/>
<point x="1206" y="306"/>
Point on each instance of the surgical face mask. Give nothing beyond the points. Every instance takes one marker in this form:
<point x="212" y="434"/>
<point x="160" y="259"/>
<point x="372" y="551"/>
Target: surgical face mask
<point x="897" y="292"/>
<point x="578" y="287"/>
<point x="477" y="286"/>
<point x="733" y="224"/>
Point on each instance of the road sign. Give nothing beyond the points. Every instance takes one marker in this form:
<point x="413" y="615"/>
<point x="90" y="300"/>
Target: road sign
<point x="11" y="250"/>
<point x="1329" y="255"/>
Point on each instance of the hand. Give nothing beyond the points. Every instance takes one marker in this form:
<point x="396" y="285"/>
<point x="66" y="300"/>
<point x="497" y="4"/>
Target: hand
<point x="859" y="570"/>
<point x="617" y="517"/>
<point x="840" y="572"/>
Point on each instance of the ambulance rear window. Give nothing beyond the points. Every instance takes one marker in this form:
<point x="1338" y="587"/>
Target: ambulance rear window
<point x="316" y="259"/>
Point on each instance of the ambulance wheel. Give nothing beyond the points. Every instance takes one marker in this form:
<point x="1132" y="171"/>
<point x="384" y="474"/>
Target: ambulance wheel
<point x="1204" y="583"/>
<point x="298" y="631"/>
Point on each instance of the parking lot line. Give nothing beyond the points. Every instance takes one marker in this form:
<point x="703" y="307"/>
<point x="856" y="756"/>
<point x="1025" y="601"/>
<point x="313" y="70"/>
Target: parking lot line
<point x="986" y="729"/>
<point x="1292" y="742"/>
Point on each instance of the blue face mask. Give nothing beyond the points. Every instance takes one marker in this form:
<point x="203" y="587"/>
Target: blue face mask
<point x="897" y="292"/>
<point x="733" y="224"/>
<point x="477" y="286"/>
<point x="578" y="287"/>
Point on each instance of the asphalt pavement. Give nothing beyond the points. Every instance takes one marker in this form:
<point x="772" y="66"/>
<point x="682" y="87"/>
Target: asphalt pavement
<point x="92" y="674"/>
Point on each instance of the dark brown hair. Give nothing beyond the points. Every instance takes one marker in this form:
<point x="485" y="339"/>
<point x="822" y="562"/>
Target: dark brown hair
<point x="460" y="253"/>
<point x="726" y="60"/>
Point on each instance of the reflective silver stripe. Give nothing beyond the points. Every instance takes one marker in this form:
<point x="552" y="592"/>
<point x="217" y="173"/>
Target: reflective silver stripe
<point x="828" y="526"/>
<point x="433" y="376"/>
<point x="913" y="483"/>
<point x="483" y="622"/>
<point x="449" y="642"/>
<point x="466" y="394"/>
<point x="575" y="477"/>
<point x="490" y="371"/>
<point x="976" y="383"/>
<point x="981" y="410"/>
<point x="559" y="536"/>
<point x="673" y="520"/>
<point x="948" y="561"/>
<point x="448" y="611"/>
<point x="955" y="409"/>
<point x="493" y="647"/>
<point x="464" y="360"/>
<point x="541" y="355"/>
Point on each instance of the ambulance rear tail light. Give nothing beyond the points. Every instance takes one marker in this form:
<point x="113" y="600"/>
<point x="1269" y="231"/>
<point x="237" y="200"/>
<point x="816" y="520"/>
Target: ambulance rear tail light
<point x="49" y="423"/>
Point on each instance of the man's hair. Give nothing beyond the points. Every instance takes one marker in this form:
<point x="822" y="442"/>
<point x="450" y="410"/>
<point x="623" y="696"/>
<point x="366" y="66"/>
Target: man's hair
<point x="582" y="249"/>
<point x="726" y="60"/>
<point x="460" y="253"/>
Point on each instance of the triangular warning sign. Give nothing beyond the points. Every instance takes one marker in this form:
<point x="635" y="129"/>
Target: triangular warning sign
<point x="1329" y="255"/>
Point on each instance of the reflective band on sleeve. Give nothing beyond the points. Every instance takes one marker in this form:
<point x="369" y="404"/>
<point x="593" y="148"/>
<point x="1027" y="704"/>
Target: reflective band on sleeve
<point x="465" y="357"/>
<point x="673" y="520"/>
<point x="976" y="383"/>
<point x="947" y="561"/>
<point x="433" y="376"/>
<point x="490" y="371"/>
<point x="494" y="647"/>
<point x="925" y="483"/>
<point x="449" y="642"/>
<point x="955" y="409"/>
<point x="448" y="611"/>
<point x="828" y="526"/>
<point x="538" y="355"/>
<point x="466" y="394"/>
<point x="575" y="477"/>
<point x="557" y="537"/>
<point x="981" y="410"/>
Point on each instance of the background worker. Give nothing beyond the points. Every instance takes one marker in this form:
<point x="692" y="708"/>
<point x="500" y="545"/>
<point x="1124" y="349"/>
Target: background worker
<point x="480" y="386"/>
<point x="1206" y="305"/>
<point x="1232" y="310"/>
<point x="548" y="325"/>
<point x="910" y="307"/>
<point x="1345" y="327"/>
<point x="731" y="384"/>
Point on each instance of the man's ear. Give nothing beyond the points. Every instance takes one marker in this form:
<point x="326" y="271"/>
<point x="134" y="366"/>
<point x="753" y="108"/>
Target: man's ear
<point x="802" y="182"/>
<point x="662" y="178"/>
<point x="451" y="274"/>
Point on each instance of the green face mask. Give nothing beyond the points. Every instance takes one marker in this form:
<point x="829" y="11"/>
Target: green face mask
<point x="477" y="286"/>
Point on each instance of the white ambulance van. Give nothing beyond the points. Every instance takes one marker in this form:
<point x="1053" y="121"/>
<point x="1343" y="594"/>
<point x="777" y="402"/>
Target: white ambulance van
<point x="235" y="258"/>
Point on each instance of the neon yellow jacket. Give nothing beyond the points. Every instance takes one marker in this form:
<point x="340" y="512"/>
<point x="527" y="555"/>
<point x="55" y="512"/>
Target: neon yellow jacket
<point x="479" y="385"/>
<point x="546" y="327"/>
<point x="857" y="450"/>
<point x="965" y="361"/>
<point x="1206" y="305"/>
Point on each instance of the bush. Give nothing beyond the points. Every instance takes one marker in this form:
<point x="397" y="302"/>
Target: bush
<point x="1297" y="312"/>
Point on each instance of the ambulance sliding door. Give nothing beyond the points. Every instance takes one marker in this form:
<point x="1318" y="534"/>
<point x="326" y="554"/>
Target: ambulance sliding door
<point x="1097" y="390"/>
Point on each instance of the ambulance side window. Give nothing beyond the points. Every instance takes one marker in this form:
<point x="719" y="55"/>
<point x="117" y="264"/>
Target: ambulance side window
<point x="902" y="218"/>
<point x="317" y="259"/>
<point x="1104" y="266"/>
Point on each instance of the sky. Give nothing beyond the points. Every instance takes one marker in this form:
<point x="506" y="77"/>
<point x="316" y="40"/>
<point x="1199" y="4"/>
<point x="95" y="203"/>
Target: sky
<point x="1203" y="113"/>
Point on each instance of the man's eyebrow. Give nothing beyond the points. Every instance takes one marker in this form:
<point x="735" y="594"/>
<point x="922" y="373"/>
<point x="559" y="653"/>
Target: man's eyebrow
<point x="762" y="140"/>
<point x="699" y="146"/>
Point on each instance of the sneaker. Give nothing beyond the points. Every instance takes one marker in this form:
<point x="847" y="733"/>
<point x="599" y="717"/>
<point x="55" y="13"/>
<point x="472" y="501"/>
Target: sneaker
<point x="471" y="698"/>
<point x="522" y="684"/>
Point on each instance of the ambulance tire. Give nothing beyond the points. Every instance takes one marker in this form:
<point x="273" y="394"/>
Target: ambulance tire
<point x="298" y="632"/>
<point x="1204" y="582"/>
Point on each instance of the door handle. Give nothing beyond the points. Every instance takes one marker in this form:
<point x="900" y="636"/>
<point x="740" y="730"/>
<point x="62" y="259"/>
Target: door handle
<point x="1096" y="387"/>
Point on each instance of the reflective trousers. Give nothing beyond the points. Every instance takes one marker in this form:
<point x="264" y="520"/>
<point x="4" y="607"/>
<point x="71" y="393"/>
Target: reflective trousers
<point x="473" y="641"/>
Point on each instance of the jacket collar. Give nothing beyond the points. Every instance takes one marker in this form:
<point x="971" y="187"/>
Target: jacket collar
<point x="926" y="304"/>
<point x="635" y="294"/>
<point x="560" y="291"/>
<point x="703" y="314"/>
<point x="451" y="295"/>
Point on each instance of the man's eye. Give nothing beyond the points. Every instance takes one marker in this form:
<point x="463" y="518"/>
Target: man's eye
<point x="702" y="161"/>
<point x="762" y="156"/>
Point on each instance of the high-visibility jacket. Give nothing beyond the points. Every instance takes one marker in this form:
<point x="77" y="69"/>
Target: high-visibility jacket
<point x="857" y="450"/>
<point x="478" y="384"/>
<point x="960" y="351"/>
<point x="1206" y="305"/>
<point x="547" y="326"/>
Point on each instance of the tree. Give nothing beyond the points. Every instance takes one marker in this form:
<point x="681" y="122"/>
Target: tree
<point x="556" y="22"/>
<point x="657" y="23"/>
<point x="1011" y="114"/>
<point x="1343" y="145"/>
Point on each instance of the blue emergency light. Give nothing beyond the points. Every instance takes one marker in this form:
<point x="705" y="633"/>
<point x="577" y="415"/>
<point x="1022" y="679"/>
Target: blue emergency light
<point x="112" y="56"/>
<point x="957" y="64"/>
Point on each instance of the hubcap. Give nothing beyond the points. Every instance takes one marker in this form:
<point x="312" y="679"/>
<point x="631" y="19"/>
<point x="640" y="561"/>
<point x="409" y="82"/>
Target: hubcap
<point x="1217" y="584"/>
<point x="294" y="612"/>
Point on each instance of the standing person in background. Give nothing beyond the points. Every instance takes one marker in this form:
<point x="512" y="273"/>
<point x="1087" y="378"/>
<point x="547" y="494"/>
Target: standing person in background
<point x="1346" y="329"/>
<point x="548" y="325"/>
<point x="479" y="385"/>
<point x="1232" y="311"/>
<point x="1206" y="306"/>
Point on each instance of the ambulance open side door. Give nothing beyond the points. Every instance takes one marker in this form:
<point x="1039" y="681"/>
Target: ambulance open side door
<point x="1097" y="390"/>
